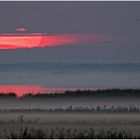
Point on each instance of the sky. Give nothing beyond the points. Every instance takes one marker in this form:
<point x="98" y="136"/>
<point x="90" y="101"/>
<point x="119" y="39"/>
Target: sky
<point x="70" y="34"/>
<point x="117" y="20"/>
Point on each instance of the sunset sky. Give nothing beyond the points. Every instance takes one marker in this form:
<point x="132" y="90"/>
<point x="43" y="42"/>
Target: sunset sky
<point x="120" y="20"/>
<point x="70" y="33"/>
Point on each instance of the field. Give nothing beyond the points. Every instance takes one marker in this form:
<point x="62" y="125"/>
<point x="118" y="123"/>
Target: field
<point x="88" y="114"/>
<point x="69" y="125"/>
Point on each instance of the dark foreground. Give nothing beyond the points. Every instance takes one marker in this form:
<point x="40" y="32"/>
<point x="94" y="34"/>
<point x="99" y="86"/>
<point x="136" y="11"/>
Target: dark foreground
<point x="69" y="125"/>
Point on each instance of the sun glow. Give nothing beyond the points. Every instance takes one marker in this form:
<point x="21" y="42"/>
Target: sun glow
<point x="21" y="29"/>
<point x="32" y="40"/>
<point x="21" y="90"/>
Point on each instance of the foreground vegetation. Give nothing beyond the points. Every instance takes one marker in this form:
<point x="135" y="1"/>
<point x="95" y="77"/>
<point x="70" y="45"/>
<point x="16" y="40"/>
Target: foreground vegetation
<point x="69" y="125"/>
<point x="60" y="133"/>
<point x="70" y="108"/>
<point x="100" y="121"/>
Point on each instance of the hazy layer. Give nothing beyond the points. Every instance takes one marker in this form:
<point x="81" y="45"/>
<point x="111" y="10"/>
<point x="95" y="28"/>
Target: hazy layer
<point x="72" y="75"/>
<point x="50" y="103"/>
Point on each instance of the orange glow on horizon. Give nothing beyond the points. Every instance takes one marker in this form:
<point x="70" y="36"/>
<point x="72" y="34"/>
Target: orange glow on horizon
<point x="36" y="40"/>
<point x="21" y="90"/>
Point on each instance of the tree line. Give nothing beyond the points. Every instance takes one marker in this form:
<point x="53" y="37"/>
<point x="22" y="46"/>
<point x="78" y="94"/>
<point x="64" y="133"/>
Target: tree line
<point x="80" y="93"/>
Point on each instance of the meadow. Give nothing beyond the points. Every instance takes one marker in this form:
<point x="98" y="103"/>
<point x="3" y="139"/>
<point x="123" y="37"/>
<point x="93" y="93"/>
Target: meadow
<point x="80" y="114"/>
<point x="69" y="125"/>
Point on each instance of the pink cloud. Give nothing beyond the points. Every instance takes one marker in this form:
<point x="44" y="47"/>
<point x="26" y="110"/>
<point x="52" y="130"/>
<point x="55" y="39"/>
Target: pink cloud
<point x="35" y="40"/>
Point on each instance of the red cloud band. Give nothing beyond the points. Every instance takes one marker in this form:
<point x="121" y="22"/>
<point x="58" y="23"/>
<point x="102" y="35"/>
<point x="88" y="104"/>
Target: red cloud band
<point x="35" y="40"/>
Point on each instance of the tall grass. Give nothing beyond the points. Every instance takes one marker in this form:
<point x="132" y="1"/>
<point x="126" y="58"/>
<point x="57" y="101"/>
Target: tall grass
<point x="105" y="108"/>
<point x="67" y="133"/>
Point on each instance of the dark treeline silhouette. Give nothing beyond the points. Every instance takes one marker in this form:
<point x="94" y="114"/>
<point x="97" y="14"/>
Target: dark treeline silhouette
<point x="90" y="93"/>
<point x="8" y="95"/>
<point x="81" y="93"/>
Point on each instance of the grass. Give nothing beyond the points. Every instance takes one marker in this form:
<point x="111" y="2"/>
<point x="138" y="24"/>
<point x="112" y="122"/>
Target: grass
<point x="105" y="108"/>
<point x="23" y="127"/>
<point x="69" y="133"/>
<point x="68" y="122"/>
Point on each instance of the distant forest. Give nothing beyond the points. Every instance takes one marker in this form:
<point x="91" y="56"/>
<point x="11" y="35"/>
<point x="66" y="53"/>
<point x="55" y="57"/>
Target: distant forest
<point x="80" y="93"/>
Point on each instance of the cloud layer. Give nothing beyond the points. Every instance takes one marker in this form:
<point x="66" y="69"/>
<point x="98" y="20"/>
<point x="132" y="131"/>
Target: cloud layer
<point x="36" y="40"/>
